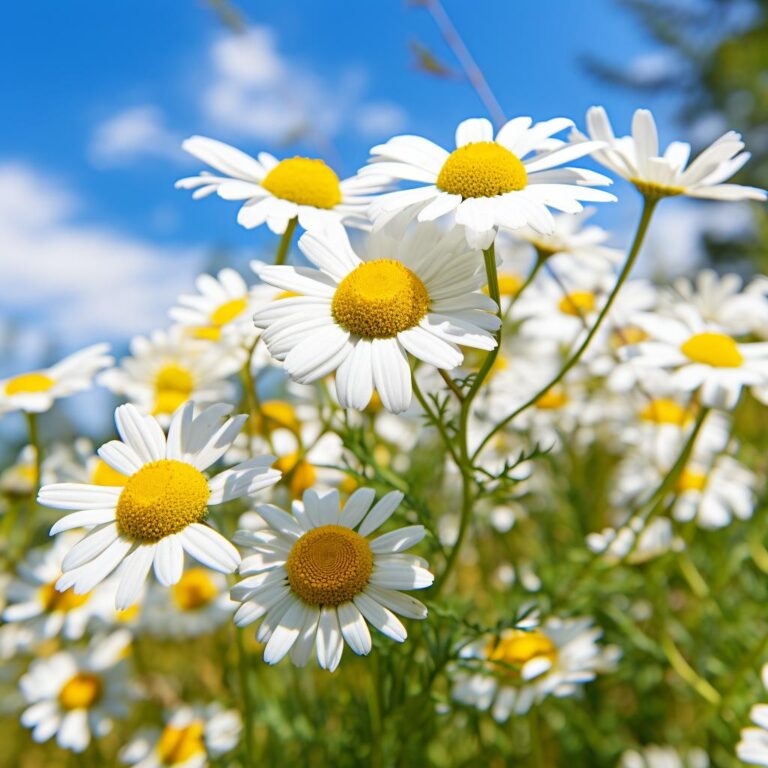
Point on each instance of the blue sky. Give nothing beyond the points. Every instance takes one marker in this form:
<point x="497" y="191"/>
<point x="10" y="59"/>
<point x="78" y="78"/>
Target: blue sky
<point x="96" y="242"/>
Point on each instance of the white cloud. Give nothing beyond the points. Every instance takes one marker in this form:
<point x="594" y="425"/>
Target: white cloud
<point x="137" y="132"/>
<point x="258" y="93"/>
<point x="81" y="283"/>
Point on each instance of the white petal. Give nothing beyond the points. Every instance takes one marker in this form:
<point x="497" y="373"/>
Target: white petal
<point x="169" y="560"/>
<point x="209" y="548"/>
<point x="381" y="512"/>
<point x="356" y="507"/>
<point x="329" y="640"/>
<point x="381" y="618"/>
<point x="354" y="629"/>
<point x="133" y="575"/>
<point x="354" y="377"/>
<point x="142" y="433"/>
<point x="391" y="374"/>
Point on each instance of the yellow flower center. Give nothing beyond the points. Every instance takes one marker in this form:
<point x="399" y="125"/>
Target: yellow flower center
<point x="194" y="590"/>
<point x="509" y="284"/>
<point x="653" y="190"/>
<point x="552" y="399"/>
<point x="715" y="349"/>
<point x="173" y="386"/>
<point x="81" y="691"/>
<point x="623" y="337"/>
<point x="305" y="182"/>
<point x="128" y="614"/>
<point x="691" y="480"/>
<point x="482" y="169"/>
<point x="28" y="383"/>
<point x="379" y="299"/>
<point x="664" y="410"/>
<point x="517" y="647"/>
<point x="298" y="473"/>
<point x="177" y="745"/>
<point x="577" y="304"/>
<point x="54" y="601"/>
<point x="223" y="314"/>
<point x="329" y="565"/>
<point x="103" y="474"/>
<point x="278" y="414"/>
<point x="162" y="498"/>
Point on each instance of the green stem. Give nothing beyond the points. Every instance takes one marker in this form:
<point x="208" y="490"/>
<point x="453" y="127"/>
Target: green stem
<point x="245" y="692"/>
<point x="285" y="241"/>
<point x="649" y="204"/>
<point x="34" y="441"/>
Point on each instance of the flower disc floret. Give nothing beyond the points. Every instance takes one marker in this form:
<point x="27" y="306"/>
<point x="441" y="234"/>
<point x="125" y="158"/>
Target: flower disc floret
<point x="517" y="647"/>
<point x="81" y="691"/>
<point x="162" y="498"/>
<point x="304" y="181"/>
<point x="178" y="745"/>
<point x="173" y="386"/>
<point x="194" y="590"/>
<point x="28" y="383"/>
<point x="714" y="349"/>
<point x="379" y="299"/>
<point x="329" y="565"/>
<point x="482" y="169"/>
<point x="54" y="601"/>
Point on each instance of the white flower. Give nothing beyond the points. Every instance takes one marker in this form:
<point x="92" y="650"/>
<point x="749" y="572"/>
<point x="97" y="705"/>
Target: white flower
<point x="276" y="191"/>
<point x="703" y="356"/>
<point x="191" y="735"/>
<point x="34" y="600"/>
<point x="315" y="580"/>
<point x="753" y="746"/>
<point x="160" y="511"/>
<point x="637" y="159"/>
<point x="508" y="181"/>
<point x="169" y="368"/>
<point x="637" y="542"/>
<point x="359" y="316"/>
<point x="75" y="695"/>
<point x="521" y="667"/>
<point x="36" y="391"/>
<point x="654" y="756"/>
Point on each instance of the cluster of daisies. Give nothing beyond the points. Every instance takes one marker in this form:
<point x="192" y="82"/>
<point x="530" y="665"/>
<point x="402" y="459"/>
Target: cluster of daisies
<point x="414" y="271"/>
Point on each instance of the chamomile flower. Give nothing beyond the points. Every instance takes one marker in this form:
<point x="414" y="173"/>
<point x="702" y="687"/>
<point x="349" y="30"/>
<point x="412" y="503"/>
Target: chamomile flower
<point x="317" y="582"/>
<point x="702" y="356"/>
<point x="190" y="736"/>
<point x="519" y="668"/>
<point x="159" y="513"/>
<point x="654" y="756"/>
<point x="169" y="368"/>
<point x="636" y="542"/>
<point x="361" y="315"/>
<point x="221" y="309"/>
<point x="510" y="180"/>
<point x="637" y="159"/>
<point x="276" y="191"/>
<point x="198" y="603"/>
<point x="76" y="695"/>
<point x="753" y="746"/>
<point x="34" y="600"/>
<point x="36" y="391"/>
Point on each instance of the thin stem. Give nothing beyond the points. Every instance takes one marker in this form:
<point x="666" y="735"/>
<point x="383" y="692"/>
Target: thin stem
<point x="649" y="204"/>
<point x="245" y="692"/>
<point x="451" y="384"/>
<point x="34" y="441"/>
<point x="464" y="57"/>
<point x="285" y="241"/>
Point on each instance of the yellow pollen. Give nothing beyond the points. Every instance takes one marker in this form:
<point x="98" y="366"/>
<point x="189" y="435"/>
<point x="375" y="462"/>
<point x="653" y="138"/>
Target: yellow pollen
<point x="552" y="399"/>
<point x="715" y="349"/>
<point x="28" y="383"/>
<point x="194" y="590"/>
<point x="81" y="691"/>
<point x="482" y="169"/>
<point x="298" y="473"/>
<point x="173" y="386"/>
<point x="509" y="284"/>
<point x="691" y="480"/>
<point x="577" y="304"/>
<point x="516" y="648"/>
<point x="278" y="414"/>
<point x="329" y="565"/>
<point x="379" y="299"/>
<point x="305" y="182"/>
<point x="54" y="601"/>
<point x="178" y="745"/>
<point x="623" y="337"/>
<point x="665" y="410"/>
<point x="654" y="190"/>
<point x="162" y="498"/>
<point x="103" y="474"/>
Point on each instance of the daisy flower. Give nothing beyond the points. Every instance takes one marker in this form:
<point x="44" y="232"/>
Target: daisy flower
<point x="701" y="356"/>
<point x="36" y="391"/>
<point x="169" y="368"/>
<point x="316" y="580"/>
<point x="34" y="600"/>
<point x="76" y="695"/>
<point x="511" y="180"/>
<point x="654" y="756"/>
<point x="276" y="191"/>
<point x="190" y="736"/>
<point x="753" y="746"/>
<point x="159" y="513"/>
<point x="519" y="668"/>
<point x="221" y="309"/>
<point x="360" y="315"/>
<point x="637" y="541"/>
<point x="637" y="159"/>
